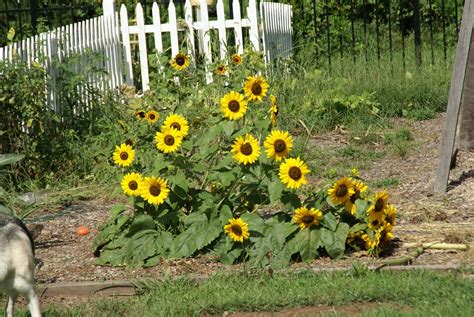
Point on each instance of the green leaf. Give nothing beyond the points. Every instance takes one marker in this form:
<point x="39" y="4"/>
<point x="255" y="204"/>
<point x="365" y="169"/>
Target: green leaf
<point x="208" y="233"/>
<point x="194" y="217"/>
<point x="281" y="231"/>
<point x="6" y="159"/>
<point x="225" y="213"/>
<point x="361" y="209"/>
<point x="330" y="221"/>
<point x="183" y="245"/>
<point x="290" y="200"/>
<point x="118" y="209"/>
<point x="228" y="127"/>
<point x="335" y="242"/>
<point x="310" y="241"/>
<point x="226" y="178"/>
<point x="231" y="256"/>
<point x="254" y="221"/>
<point x="11" y="34"/>
<point x="275" y="188"/>
<point x="141" y="222"/>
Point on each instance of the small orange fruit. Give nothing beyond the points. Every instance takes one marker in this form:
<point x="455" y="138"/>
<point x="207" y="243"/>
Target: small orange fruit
<point x="82" y="231"/>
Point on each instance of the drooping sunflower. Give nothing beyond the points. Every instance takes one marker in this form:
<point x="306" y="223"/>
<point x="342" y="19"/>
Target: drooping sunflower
<point x="386" y="233"/>
<point x="341" y="191"/>
<point x="255" y="88"/>
<point x="236" y="59"/>
<point x="355" y="172"/>
<point x="273" y="110"/>
<point x="237" y="229"/>
<point x="123" y="155"/>
<point x="154" y="190"/>
<point x="375" y="220"/>
<point x="221" y="70"/>
<point x="379" y="203"/>
<point x="305" y="217"/>
<point x="140" y="114"/>
<point x="359" y="188"/>
<point x="390" y="214"/>
<point x="152" y="116"/>
<point x="177" y="122"/>
<point x="180" y="61"/>
<point x="233" y="105"/>
<point x="168" y="140"/>
<point x="245" y="149"/>
<point x="371" y="244"/>
<point x="278" y="144"/>
<point x="292" y="172"/>
<point x="131" y="184"/>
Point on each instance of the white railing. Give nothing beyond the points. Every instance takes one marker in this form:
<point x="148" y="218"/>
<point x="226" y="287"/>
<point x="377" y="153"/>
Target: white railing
<point x="100" y="35"/>
<point x="186" y="31"/>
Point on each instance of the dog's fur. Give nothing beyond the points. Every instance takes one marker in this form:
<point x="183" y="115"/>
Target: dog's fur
<point x="17" y="265"/>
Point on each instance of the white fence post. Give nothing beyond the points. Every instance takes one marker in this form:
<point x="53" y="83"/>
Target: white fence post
<point x="239" y="42"/>
<point x="126" y="45"/>
<point x="108" y="7"/>
<point x="142" y="47"/>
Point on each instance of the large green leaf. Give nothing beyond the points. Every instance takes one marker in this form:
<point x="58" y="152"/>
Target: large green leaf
<point x="254" y="221"/>
<point x="330" y="221"/>
<point x="141" y="222"/>
<point x="361" y="209"/>
<point x="335" y="241"/>
<point x="275" y="188"/>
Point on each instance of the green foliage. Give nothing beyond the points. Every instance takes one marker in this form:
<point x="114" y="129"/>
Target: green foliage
<point x="210" y="187"/>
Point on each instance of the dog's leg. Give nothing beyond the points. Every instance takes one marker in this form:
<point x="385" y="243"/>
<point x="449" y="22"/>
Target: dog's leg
<point x="33" y="303"/>
<point x="9" y="309"/>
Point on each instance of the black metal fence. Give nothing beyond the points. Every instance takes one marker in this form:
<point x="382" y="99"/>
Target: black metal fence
<point x="411" y="32"/>
<point x="29" y="17"/>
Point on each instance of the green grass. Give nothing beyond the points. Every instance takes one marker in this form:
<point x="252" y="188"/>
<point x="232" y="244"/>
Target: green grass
<point x="415" y="293"/>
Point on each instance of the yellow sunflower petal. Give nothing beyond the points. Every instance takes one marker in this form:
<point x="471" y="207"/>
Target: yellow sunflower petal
<point x="292" y="173"/>
<point x="245" y="149"/>
<point x="177" y="122"/>
<point x="154" y="190"/>
<point x="305" y="217"/>
<point x="168" y="140"/>
<point x="180" y="62"/>
<point x="152" y="116"/>
<point x="278" y="144"/>
<point x="237" y="229"/>
<point x="255" y="88"/>
<point x="233" y="105"/>
<point x="123" y="155"/>
<point x="341" y="191"/>
<point x="131" y="184"/>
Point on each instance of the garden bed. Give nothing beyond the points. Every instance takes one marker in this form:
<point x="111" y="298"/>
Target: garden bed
<point x="423" y="217"/>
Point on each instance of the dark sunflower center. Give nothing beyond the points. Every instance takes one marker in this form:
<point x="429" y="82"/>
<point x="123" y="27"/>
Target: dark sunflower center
<point x="221" y="69"/>
<point x="151" y="116"/>
<point x="155" y="190"/>
<point x="124" y="156"/>
<point x="279" y="146"/>
<point x="355" y="196"/>
<point x="256" y="89"/>
<point x="169" y="140"/>
<point x="180" y="60"/>
<point x="176" y="125"/>
<point x="237" y="230"/>
<point x="141" y="114"/>
<point x="129" y="142"/>
<point x="295" y="173"/>
<point x="307" y="219"/>
<point x="133" y="185"/>
<point x="236" y="59"/>
<point x="246" y="149"/>
<point x="378" y="205"/>
<point x="342" y="191"/>
<point x="375" y="223"/>
<point x="234" y="106"/>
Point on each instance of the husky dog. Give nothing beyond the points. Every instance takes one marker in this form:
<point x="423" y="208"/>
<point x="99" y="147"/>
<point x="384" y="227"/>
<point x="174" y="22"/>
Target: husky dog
<point x="17" y="264"/>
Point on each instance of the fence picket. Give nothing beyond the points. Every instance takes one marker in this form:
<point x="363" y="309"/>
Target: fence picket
<point x="173" y="28"/>
<point x="142" y="51"/>
<point x="126" y="45"/>
<point x="239" y="42"/>
<point x="157" y="28"/>
<point x="253" y="31"/>
<point x="221" y="29"/>
<point x="188" y="17"/>
<point x="206" y="39"/>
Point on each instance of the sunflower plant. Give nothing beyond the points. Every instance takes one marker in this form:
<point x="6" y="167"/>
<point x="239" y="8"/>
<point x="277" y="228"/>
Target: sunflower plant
<point x="207" y="170"/>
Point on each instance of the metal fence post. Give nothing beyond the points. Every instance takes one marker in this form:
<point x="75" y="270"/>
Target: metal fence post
<point x="34" y="14"/>
<point x="417" y="31"/>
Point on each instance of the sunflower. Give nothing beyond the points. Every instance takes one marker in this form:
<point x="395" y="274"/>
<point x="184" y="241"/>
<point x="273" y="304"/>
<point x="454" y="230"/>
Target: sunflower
<point x="292" y="172"/>
<point x="152" y="116"/>
<point x="177" y="122"/>
<point x="154" y="190"/>
<point x="123" y="155"/>
<point x="245" y="149"/>
<point x="379" y="203"/>
<point x="131" y="184"/>
<point x="236" y="59"/>
<point x="305" y="217"/>
<point x="386" y="233"/>
<point x="237" y="229"/>
<point x="255" y="88"/>
<point x="369" y="243"/>
<point x="221" y="70"/>
<point x="140" y="114"/>
<point x="278" y="144"/>
<point x="390" y="214"/>
<point x="341" y="191"/>
<point x="359" y="187"/>
<point x="180" y="61"/>
<point x="168" y="140"/>
<point x="273" y="109"/>
<point x="233" y="105"/>
<point x="375" y="220"/>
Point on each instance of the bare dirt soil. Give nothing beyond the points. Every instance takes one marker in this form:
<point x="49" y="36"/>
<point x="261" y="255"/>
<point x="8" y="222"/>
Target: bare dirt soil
<point x="423" y="217"/>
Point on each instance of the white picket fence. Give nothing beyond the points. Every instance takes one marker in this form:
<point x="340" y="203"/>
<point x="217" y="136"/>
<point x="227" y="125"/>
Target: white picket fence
<point x="100" y="35"/>
<point x="186" y="33"/>
<point x="111" y="36"/>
